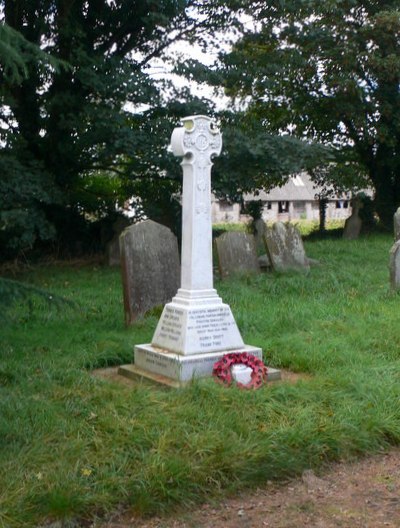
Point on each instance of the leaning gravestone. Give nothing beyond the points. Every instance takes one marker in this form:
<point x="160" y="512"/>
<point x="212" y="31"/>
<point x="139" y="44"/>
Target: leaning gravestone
<point x="285" y="248"/>
<point x="353" y="224"/>
<point x="236" y="253"/>
<point x="394" y="266"/>
<point x="196" y="328"/>
<point x="396" y="222"/>
<point x="150" y="267"/>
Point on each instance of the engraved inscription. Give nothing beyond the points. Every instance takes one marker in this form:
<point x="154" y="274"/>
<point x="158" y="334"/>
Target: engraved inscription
<point x="150" y="361"/>
<point x="210" y="325"/>
<point x="201" y="330"/>
<point x="171" y="327"/>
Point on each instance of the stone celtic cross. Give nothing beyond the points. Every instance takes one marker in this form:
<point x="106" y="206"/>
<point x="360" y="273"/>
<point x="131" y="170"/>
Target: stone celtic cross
<point x="196" y="327"/>
<point x="197" y="142"/>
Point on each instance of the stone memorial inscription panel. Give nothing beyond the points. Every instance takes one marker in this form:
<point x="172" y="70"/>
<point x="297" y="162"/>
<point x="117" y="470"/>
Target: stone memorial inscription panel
<point x="171" y="324"/>
<point x="197" y="330"/>
<point x="209" y="325"/>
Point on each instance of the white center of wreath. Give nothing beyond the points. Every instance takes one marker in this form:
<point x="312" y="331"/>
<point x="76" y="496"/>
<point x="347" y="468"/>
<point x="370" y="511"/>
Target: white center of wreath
<point x="241" y="373"/>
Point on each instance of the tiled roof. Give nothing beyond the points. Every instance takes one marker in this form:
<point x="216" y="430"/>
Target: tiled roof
<point x="297" y="188"/>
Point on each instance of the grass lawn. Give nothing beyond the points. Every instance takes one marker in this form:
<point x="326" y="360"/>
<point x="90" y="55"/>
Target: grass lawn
<point x="75" y="446"/>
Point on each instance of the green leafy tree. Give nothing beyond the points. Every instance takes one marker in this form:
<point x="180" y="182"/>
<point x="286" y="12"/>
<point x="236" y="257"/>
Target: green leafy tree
<point x="24" y="181"/>
<point x="254" y="155"/>
<point x="65" y="129"/>
<point x="254" y="158"/>
<point x="330" y="72"/>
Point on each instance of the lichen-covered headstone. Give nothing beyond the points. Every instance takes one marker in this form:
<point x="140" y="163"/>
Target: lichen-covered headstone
<point x="396" y="222"/>
<point x="285" y="248"/>
<point x="150" y="267"/>
<point x="236" y="253"/>
<point x="394" y="266"/>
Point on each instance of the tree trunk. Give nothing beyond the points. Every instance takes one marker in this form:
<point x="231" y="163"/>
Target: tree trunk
<point x="385" y="175"/>
<point x="323" y="204"/>
<point x="385" y="204"/>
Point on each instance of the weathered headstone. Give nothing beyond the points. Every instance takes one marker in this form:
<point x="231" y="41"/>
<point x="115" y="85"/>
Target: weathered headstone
<point x="196" y="329"/>
<point x="236" y="253"/>
<point x="353" y="224"/>
<point x="394" y="266"/>
<point x="150" y="267"/>
<point x="259" y="232"/>
<point x="285" y="248"/>
<point x="396" y="222"/>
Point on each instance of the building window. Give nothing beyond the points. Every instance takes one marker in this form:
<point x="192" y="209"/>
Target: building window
<point x="268" y="206"/>
<point x="283" y="207"/>
<point x="299" y="207"/>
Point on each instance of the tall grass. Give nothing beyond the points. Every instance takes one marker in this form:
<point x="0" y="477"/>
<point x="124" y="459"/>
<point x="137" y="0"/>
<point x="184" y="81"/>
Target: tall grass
<point x="74" y="446"/>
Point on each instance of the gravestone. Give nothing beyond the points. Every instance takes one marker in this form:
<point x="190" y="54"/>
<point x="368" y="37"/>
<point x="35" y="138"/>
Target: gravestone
<point x="259" y="232"/>
<point x="196" y="328"/>
<point x="353" y="224"/>
<point x="236" y="253"/>
<point x="285" y="248"/>
<point x="396" y="222"/>
<point x="394" y="266"/>
<point x="150" y="267"/>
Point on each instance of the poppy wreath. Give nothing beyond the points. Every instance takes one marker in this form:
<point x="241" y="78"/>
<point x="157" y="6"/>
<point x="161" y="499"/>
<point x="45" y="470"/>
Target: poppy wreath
<point x="223" y="374"/>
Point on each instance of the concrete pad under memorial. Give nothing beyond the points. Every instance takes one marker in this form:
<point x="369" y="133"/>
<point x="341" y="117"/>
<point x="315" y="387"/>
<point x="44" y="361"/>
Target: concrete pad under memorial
<point x="196" y="328"/>
<point x="150" y="267"/>
<point x="236" y="253"/>
<point x="285" y="248"/>
<point x="394" y="266"/>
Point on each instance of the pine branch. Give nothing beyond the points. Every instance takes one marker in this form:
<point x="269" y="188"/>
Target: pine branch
<point x="13" y="292"/>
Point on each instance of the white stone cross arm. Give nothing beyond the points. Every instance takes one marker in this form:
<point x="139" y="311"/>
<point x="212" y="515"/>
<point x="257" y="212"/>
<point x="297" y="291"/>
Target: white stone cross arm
<point x="198" y="137"/>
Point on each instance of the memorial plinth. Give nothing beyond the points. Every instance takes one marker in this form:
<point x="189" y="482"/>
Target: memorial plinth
<point x="196" y="328"/>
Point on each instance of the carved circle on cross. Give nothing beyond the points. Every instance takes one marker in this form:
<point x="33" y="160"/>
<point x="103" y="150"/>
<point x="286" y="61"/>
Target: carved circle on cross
<point x="202" y="142"/>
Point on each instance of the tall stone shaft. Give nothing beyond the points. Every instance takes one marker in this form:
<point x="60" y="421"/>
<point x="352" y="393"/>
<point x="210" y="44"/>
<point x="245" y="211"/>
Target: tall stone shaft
<point x="197" y="142"/>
